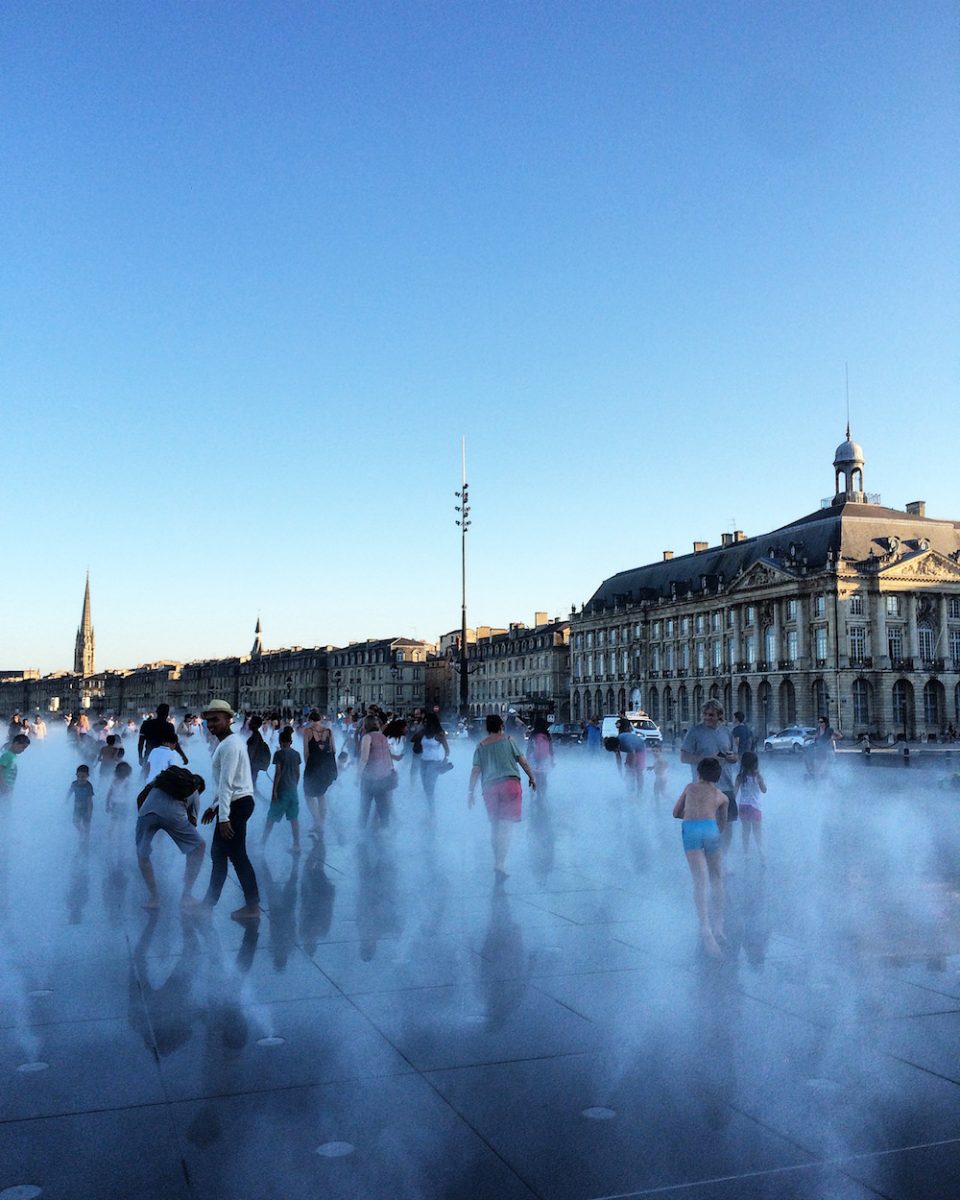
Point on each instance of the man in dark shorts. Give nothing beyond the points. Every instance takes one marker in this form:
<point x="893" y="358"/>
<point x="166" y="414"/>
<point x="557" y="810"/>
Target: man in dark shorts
<point x="158" y="731"/>
<point x="742" y="734"/>
<point x="712" y="739"/>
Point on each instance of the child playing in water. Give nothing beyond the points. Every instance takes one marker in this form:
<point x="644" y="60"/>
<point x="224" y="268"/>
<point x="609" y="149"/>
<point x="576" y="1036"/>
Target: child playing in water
<point x="119" y="790"/>
<point x="82" y="792"/>
<point x="110" y="754"/>
<point x="660" y="770"/>
<point x="703" y="809"/>
<point x="750" y="786"/>
<point x="284" y="800"/>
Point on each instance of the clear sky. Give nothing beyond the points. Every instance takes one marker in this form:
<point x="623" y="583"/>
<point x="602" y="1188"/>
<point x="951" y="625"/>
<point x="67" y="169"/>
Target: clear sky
<point x="262" y="264"/>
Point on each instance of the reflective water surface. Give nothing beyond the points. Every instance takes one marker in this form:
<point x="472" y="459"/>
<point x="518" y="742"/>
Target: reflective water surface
<point x="399" y="1024"/>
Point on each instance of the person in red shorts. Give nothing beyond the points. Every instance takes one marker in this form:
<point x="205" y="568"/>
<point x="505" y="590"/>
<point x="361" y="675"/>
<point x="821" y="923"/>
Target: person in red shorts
<point x="497" y="761"/>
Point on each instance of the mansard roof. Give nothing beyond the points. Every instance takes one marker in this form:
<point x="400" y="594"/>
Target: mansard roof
<point x="851" y="532"/>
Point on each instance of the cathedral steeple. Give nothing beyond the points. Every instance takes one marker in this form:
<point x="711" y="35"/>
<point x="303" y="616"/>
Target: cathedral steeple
<point x="257" y="641"/>
<point x="83" y="654"/>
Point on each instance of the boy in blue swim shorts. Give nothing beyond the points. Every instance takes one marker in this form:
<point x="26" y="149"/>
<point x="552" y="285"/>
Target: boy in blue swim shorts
<point x="703" y="809"/>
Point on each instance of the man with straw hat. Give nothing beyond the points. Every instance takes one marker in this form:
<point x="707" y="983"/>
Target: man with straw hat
<point x="232" y="808"/>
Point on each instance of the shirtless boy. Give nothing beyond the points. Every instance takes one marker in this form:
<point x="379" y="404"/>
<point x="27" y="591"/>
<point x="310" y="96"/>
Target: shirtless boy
<point x="703" y="809"/>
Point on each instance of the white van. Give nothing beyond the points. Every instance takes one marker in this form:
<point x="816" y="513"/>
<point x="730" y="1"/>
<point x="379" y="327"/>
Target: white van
<point x="641" y="723"/>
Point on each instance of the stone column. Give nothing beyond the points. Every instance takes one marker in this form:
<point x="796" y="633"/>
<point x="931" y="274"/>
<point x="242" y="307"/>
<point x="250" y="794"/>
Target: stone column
<point x="912" y="648"/>
<point x="942" y="648"/>
<point x="778" y="647"/>
<point x="878" y="632"/>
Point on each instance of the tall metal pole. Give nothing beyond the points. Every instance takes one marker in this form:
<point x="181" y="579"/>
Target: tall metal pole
<point x="463" y="508"/>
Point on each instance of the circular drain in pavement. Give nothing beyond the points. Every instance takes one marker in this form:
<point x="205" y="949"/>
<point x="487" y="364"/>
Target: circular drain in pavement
<point x="271" y="1041"/>
<point x="22" y="1191"/>
<point x="335" y="1149"/>
<point x="30" y="1069"/>
<point x="599" y="1114"/>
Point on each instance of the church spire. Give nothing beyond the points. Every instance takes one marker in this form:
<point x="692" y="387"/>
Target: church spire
<point x="257" y="640"/>
<point x="83" y="653"/>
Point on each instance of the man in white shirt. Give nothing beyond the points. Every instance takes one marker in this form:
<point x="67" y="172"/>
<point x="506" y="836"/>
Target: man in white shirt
<point x="232" y="808"/>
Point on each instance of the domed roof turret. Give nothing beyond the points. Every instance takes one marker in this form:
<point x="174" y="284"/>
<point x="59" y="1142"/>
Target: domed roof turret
<point x="848" y="452"/>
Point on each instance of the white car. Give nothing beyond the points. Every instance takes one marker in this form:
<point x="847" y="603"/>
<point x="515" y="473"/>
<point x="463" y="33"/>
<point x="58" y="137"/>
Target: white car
<point x="794" y="738"/>
<point x="647" y="729"/>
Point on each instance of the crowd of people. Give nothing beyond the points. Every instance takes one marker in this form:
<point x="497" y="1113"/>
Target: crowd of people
<point x="378" y="751"/>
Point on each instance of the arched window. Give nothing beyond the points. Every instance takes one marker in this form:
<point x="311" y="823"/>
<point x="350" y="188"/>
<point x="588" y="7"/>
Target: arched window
<point x="610" y="700"/>
<point x="714" y="692"/>
<point x="621" y="701"/>
<point x="765" y="705"/>
<point x="598" y="703"/>
<point x="653" y="701"/>
<point x="818" y="695"/>
<point x="697" y="701"/>
<point x="903" y="706"/>
<point x="788" y="703"/>
<point x="933" y="703"/>
<point x="576" y="706"/>
<point x="668" y="709"/>
<point x="861" y="702"/>
<point x="744" y="701"/>
<point x="683" y="703"/>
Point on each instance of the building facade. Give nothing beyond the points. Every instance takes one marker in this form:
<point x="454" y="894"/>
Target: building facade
<point x="388" y="672"/>
<point x="523" y="667"/>
<point x="851" y="612"/>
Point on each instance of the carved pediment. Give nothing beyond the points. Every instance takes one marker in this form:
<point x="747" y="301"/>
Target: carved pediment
<point x="923" y="566"/>
<point x="763" y="573"/>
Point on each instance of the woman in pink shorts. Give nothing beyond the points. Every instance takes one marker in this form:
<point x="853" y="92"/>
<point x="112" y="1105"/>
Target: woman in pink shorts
<point x="497" y="761"/>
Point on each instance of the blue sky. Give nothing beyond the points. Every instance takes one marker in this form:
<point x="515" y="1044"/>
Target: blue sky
<point x="261" y="265"/>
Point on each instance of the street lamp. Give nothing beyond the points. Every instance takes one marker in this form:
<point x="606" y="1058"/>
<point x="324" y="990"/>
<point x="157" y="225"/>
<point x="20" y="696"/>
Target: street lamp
<point x="337" y="680"/>
<point x="463" y="521"/>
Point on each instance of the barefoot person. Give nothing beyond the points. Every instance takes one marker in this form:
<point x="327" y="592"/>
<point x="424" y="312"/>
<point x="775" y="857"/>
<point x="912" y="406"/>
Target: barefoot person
<point x="497" y="761"/>
<point x="158" y="809"/>
<point x="232" y="809"/>
<point x="703" y="809"/>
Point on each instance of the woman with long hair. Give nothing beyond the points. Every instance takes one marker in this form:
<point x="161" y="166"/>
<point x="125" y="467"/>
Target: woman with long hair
<point x="319" y="768"/>
<point x="540" y="754"/>
<point x="434" y="755"/>
<point x="377" y="775"/>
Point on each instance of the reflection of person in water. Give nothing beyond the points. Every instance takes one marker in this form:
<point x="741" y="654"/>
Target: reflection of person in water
<point x="503" y="970"/>
<point x="376" y="897"/>
<point x="316" y="898"/>
<point x="281" y="912"/>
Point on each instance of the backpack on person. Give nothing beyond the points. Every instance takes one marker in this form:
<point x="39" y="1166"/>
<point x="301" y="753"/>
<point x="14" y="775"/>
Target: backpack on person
<point x="177" y="782"/>
<point x="260" y="756"/>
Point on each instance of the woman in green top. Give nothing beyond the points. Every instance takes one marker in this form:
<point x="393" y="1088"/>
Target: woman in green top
<point x="497" y="761"/>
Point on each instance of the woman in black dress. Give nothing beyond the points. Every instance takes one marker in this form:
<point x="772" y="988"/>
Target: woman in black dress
<point x="319" y="768"/>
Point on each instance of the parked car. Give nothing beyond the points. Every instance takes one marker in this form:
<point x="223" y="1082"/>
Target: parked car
<point x="794" y="738"/>
<point x="647" y="728"/>
<point x="566" y="733"/>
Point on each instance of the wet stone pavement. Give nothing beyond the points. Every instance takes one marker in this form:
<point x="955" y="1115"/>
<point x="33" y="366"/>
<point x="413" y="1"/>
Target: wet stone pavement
<point x="396" y="1025"/>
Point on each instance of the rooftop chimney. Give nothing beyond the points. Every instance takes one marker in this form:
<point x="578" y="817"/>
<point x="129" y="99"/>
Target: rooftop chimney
<point x="726" y="539"/>
<point x="738" y="535"/>
<point x="667" y="555"/>
<point x="699" y="547"/>
<point x="917" y="508"/>
<point x="540" y="618"/>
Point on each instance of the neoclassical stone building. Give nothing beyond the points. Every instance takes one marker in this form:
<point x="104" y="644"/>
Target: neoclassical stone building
<point x="852" y="611"/>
